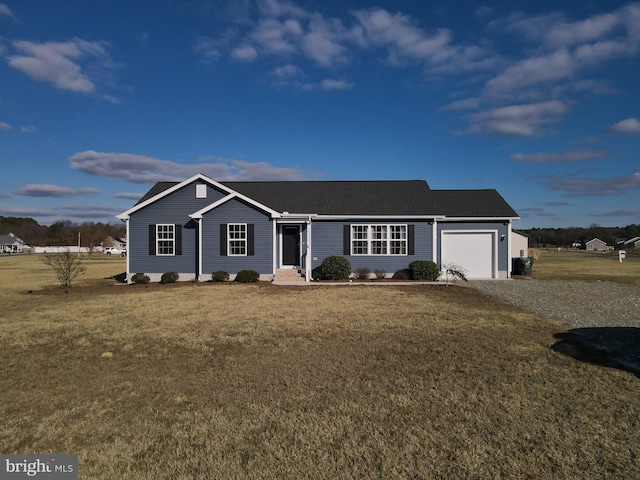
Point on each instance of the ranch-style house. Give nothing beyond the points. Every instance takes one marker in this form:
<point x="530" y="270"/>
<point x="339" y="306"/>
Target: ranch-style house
<point x="199" y="226"/>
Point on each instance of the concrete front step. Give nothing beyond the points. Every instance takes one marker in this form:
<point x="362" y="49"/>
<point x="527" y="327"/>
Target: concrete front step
<point x="288" y="275"/>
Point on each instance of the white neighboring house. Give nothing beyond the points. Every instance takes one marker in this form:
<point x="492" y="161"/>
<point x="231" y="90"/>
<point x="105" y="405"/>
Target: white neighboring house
<point x="120" y="243"/>
<point x="519" y="244"/>
<point x="596" y="244"/>
<point x="632" y="243"/>
<point x="10" y="244"/>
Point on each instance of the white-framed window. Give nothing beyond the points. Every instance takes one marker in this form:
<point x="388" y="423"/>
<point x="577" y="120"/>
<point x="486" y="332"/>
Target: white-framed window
<point x="378" y="240"/>
<point x="237" y="238"/>
<point x="165" y="239"/>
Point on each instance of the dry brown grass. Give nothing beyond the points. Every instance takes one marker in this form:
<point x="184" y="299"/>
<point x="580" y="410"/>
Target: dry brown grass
<point x="590" y="266"/>
<point x="259" y="381"/>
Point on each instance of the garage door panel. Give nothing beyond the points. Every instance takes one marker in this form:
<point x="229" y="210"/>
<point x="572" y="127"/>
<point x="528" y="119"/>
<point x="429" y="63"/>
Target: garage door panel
<point x="474" y="252"/>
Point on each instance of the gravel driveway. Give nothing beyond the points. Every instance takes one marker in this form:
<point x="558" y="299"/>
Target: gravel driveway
<point x="604" y="316"/>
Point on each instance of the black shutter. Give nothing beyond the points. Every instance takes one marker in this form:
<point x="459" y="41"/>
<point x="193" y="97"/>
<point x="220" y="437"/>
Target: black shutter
<point x="152" y="239"/>
<point x="250" y="242"/>
<point x="178" y="238"/>
<point x="410" y="242"/>
<point x="223" y="239"/>
<point x="346" y="240"/>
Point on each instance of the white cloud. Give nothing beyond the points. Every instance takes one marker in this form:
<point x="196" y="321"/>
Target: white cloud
<point x="28" y="129"/>
<point x="565" y="34"/>
<point x="60" y="63"/>
<point x="244" y="53"/>
<point x="5" y="126"/>
<point x="287" y="71"/>
<point x="128" y="195"/>
<point x="276" y="37"/>
<point x="556" y="66"/>
<point x="323" y="42"/>
<point x="332" y="84"/>
<point x="277" y="8"/>
<point x="565" y="49"/>
<point x="6" y="11"/>
<point x="587" y="187"/>
<point x="562" y="157"/>
<point x="47" y="190"/>
<point x="143" y="169"/>
<point x="518" y="120"/>
<point x="630" y="126"/>
<point x="210" y="49"/>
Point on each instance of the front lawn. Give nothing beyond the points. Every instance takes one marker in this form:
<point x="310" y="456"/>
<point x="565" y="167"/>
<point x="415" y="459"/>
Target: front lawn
<point x="259" y="381"/>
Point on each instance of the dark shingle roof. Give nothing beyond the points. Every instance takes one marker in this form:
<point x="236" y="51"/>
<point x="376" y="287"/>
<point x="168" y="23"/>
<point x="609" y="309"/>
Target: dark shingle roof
<point x="387" y="197"/>
<point x="471" y="203"/>
<point x="340" y="197"/>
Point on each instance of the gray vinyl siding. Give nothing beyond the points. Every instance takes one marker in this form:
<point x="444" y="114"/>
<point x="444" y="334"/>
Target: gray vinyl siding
<point x="327" y="240"/>
<point x="504" y="255"/>
<point x="172" y="209"/>
<point x="236" y="211"/>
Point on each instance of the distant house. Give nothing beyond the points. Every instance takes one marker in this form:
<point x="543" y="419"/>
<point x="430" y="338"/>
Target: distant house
<point x="519" y="244"/>
<point x="632" y="243"/>
<point x="596" y="244"/>
<point x="199" y="226"/>
<point x="120" y="243"/>
<point x="10" y="244"/>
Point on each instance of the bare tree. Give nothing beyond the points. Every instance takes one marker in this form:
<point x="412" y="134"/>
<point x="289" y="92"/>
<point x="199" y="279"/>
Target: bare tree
<point x="66" y="267"/>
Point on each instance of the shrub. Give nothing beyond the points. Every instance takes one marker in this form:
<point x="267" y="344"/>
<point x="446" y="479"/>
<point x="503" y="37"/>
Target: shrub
<point x="140" y="279"/>
<point x="66" y="267"/>
<point x="335" y="268"/>
<point x="362" y="273"/>
<point x="404" y="274"/>
<point x="424" y="270"/>
<point x="380" y="273"/>
<point x="220" y="276"/>
<point x="169" y="277"/>
<point x="247" y="276"/>
<point x="454" y="272"/>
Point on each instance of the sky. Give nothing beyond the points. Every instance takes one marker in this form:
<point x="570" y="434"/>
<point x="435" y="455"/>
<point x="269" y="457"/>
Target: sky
<point x="538" y="100"/>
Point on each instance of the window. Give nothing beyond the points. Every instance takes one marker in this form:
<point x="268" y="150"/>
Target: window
<point x="165" y="239"/>
<point x="378" y="239"/>
<point x="237" y="238"/>
<point x="398" y="239"/>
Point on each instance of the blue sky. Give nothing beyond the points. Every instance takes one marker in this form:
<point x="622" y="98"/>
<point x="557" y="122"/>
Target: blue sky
<point x="539" y="100"/>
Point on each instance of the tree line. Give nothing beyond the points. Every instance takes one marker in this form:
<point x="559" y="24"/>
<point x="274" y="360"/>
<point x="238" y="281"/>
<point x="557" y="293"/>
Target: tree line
<point x="60" y="233"/>
<point x="565" y="237"/>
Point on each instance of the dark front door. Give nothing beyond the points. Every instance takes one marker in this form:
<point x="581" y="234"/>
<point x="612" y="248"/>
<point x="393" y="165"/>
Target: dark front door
<point x="290" y="245"/>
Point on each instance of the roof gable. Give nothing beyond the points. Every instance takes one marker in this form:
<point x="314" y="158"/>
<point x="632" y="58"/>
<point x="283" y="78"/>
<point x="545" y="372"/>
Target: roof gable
<point x="348" y="198"/>
<point x="162" y="189"/>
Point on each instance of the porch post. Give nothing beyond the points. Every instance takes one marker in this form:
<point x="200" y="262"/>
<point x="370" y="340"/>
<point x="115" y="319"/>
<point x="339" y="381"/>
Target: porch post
<point x="434" y="241"/>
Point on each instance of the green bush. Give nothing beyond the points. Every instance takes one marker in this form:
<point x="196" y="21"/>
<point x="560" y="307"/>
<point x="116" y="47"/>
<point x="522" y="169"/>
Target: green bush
<point x="220" y="276"/>
<point x="169" y="277"/>
<point x="335" y="268"/>
<point x="404" y="274"/>
<point x="140" y="279"/>
<point x="424" y="270"/>
<point x="247" y="276"/>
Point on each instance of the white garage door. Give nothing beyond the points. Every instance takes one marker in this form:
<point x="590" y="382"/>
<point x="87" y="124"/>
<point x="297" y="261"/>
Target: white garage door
<point x="473" y="251"/>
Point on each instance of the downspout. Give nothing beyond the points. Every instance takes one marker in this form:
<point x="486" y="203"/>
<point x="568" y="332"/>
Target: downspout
<point x="274" y="255"/>
<point x="307" y="271"/>
<point x="509" y="261"/>
<point x="128" y="278"/>
<point x="199" y="272"/>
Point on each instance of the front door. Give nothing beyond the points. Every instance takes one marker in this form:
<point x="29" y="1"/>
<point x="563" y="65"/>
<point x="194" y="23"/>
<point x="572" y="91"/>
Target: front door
<point x="290" y="245"/>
